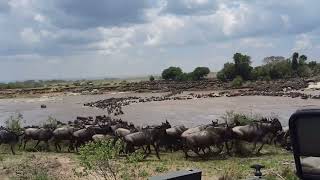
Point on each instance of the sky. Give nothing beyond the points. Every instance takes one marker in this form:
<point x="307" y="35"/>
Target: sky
<point x="59" y="39"/>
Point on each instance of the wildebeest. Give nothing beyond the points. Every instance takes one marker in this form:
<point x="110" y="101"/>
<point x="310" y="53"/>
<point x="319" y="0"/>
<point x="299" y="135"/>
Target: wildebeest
<point x="39" y="134"/>
<point x="149" y="136"/>
<point x="63" y="134"/>
<point x="205" y="138"/>
<point x="84" y="135"/>
<point x="172" y="139"/>
<point x="9" y="137"/>
<point x="256" y="132"/>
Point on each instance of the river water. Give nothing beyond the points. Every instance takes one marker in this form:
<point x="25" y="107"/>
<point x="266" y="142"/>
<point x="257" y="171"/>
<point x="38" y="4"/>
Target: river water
<point x="188" y="112"/>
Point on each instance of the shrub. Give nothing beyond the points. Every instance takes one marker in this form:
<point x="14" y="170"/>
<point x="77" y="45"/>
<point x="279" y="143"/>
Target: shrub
<point x="14" y="122"/>
<point x="151" y="78"/>
<point x="51" y="123"/>
<point x="237" y="82"/>
<point x="101" y="158"/>
<point x="135" y="157"/>
<point x="239" y="118"/>
<point x="171" y="73"/>
<point x="200" y="72"/>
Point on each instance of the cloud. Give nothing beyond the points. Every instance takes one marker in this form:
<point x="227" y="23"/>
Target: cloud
<point x="150" y="35"/>
<point x="29" y="36"/>
<point x="303" y="42"/>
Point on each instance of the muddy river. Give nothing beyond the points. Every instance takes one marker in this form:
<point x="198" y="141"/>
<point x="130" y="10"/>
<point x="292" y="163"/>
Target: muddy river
<point x="188" y="112"/>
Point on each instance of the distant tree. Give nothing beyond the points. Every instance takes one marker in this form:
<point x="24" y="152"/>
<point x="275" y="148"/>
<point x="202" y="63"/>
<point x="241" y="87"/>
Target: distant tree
<point x="272" y="59"/>
<point x="228" y="72"/>
<point x="151" y="78"/>
<point x="294" y="63"/>
<point x="171" y="73"/>
<point x="237" y="82"/>
<point x="185" y="77"/>
<point x="200" y="72"/>
<point x="242" y="65"/>
<point x="302" y="60"/>
<point x="312" y="64"/>
<point x="304" y="71"/>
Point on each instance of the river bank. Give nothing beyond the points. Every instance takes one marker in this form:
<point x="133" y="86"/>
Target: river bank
<point x="153" y="86"/>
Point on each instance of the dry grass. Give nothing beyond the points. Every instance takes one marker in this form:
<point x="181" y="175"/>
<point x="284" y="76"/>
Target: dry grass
<point x="51" y="165"/>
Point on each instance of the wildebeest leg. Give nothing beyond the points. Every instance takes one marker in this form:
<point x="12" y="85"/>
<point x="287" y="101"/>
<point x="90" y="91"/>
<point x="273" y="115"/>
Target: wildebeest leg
<point x="47" y="144"/>
<point x="156" y="148"/>
<point x="12" y="149"/>
<point x="227" y="148"/>
<point x="56" y="145"/>
<point x="147" y="153"/>
<point x="260" y="148"/>
<point x="36" y="144"/>
<point x="254" y="146"/>
<point x="25" y="142"/>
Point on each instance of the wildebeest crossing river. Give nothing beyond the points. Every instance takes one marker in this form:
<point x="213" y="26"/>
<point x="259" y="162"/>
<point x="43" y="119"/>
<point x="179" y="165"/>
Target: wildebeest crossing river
<point x="189" y="112"/>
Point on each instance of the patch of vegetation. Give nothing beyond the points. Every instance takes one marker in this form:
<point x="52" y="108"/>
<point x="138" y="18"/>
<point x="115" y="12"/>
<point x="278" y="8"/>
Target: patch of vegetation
<point x="51" y="123"/>
<point x="274" y="67"/>
<point x="239" y="118"/>
<point x="14" y="123"/>
<point x="101" y="158"/>
<point x="135" y="157"/>
<point x="237" y="82"/>
<point x="176" y="73"/>
<point x="151" y="78"/>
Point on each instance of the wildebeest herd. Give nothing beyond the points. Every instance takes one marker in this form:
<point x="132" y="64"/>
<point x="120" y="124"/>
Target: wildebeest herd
<point x="202" y="140"/>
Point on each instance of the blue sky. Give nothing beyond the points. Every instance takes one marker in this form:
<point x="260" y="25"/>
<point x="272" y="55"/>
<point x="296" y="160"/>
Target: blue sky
<point x="55" y="39"/>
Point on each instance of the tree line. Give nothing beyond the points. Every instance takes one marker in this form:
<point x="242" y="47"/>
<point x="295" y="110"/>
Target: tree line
<point x="176" y="73"/>
<point x="240" y="69"/>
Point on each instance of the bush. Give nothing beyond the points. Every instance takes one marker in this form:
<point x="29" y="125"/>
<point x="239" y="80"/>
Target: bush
<point x="101" y="158"/>
<point x="200" y="72"/>
<point x="184" y="77"/>
<point x="51" y="123"/>
<point x="238" y="118"/>
<point x="237" y="82"/>
<point x="14" y="123"/>
<point x="135" y="157"/>
<point x="151" y="78"/>
<point x="171" y="73"/>
<point x="227" y="73"/>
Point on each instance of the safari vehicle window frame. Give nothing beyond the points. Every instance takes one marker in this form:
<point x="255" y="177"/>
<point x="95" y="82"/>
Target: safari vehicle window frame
<point x="305" y="113"/>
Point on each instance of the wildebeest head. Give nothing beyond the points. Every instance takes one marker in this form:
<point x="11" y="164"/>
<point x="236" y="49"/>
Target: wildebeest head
<point x="166" y="125"/>
<point x="276" y="125"/>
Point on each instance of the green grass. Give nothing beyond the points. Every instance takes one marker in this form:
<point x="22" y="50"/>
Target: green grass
<point x="278" y="162"/>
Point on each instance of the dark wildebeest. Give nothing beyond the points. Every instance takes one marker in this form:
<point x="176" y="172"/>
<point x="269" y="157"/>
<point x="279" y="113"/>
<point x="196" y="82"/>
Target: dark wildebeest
<point x="39" y="134"/>
<point x="172" y="139"/>
<point x="84" y="135"/>
<point x="283" y="138"/>
<point x="210" y="136"/>
<point x="64" y="134"/>
<point x="257" y="131"/>
<point x="8" y="137"/>
<point x="149" y="136"/>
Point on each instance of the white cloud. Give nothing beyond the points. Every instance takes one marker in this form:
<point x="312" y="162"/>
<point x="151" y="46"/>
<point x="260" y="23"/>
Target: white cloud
<point x="40" y="18"/>
<point x="303" y="42"/>
<point x="28" y="35"/>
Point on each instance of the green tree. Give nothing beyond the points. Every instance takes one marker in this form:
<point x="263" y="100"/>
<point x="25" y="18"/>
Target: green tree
<point x="151" y="78"/>
<point x="312" y="64"/>
<point x="237" y="82"/>
<point x="200" y="72"/>
<point x="302" y="60"/>
<point x="171" y="73"/>
<point x="294" y="63"/>
<point x="242" y="65"/>
<point x="228" y="72"/>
